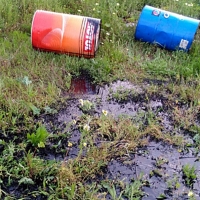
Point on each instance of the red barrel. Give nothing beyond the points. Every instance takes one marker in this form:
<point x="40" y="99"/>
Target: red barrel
<point x="65" y="33"/>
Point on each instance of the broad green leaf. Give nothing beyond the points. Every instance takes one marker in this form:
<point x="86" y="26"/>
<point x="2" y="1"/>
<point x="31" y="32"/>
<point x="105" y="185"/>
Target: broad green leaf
<point x="26" y="180"/>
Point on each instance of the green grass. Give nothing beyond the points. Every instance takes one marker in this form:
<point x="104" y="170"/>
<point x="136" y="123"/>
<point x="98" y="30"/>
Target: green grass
<point x="32" y="82"/>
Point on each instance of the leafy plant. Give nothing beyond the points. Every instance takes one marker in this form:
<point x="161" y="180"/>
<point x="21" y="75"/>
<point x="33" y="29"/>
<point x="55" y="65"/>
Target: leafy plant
<point x="39" y="138"/>
<point x="49" y="110"/>
<point x="70" y="191"/>
<point x="86" y="105"/>
<point x="121" y="95"/>
<point x="112" y="191"/>
<point x="173" y="183"/>
<point x="189" y="174"/>
<point x="160" y="161"/>
<point x="196" y="138"/>
<point x="25" y="80"/>
<point x="130" y="191"/>
<point x="27" y="181"/>
<point x="35" y="110"/>
<point x="133" y="190"/>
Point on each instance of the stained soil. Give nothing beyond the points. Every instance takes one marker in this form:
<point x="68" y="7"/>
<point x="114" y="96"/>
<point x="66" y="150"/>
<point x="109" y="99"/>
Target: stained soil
<point x="159" y="162"/>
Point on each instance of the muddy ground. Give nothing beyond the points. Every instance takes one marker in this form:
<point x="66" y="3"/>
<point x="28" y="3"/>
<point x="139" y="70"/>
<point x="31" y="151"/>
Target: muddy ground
<point x="160" y="163"/>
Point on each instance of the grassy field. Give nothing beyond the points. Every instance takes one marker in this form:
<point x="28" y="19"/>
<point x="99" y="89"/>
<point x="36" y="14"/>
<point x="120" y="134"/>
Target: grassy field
<point x="33" y="83"/>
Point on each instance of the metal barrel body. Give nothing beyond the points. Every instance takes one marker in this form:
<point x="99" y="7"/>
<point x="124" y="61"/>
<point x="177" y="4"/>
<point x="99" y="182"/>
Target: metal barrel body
<point x="65" y="33"/>
<point x="169" y="30"/>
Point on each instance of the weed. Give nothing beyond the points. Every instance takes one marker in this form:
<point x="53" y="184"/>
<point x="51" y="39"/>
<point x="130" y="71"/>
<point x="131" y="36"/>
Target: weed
<point x="39" y="138"/>
<point x="173" y="183"/>
<point x="160" y="161"/>
<point x="189" y="174"/>
<point x="133" y="190"/>
<point x="86" y="105"/>
<point x="10" y="169"/>
<point x="122" y="95"/>
<point x="39" y="169"/>
<point x="156" y="172"/>
<point x="196" y="136"/>
<point x="49" y="110"/>
<point x="120" y="135"/>
<point x="35" y="110"/>
<point x="25" y="180"/>
<point x="66" y="175"/>
<point x="185" y="118"/>
<point x="130" y="191"/>
<point x="197" y="140"/>
<point x="112" y="191"/>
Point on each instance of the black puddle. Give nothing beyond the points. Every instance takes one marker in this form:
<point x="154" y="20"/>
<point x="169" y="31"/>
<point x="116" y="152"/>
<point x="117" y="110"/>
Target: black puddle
<point x="159" y="163"/>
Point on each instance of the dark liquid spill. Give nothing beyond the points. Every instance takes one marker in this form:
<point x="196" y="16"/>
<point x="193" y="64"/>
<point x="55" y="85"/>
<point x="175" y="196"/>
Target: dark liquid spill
<point x="82" y="85"/>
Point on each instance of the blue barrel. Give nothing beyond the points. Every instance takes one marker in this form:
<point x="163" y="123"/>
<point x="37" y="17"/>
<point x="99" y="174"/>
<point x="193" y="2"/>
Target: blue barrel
<point x="169" y="30"/>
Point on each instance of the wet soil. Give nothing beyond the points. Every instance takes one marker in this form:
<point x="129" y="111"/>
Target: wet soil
<point x="159" y="162"/>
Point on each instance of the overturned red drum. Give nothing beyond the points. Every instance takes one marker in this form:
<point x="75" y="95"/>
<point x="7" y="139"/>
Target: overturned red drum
<point x="65" y="33"/>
